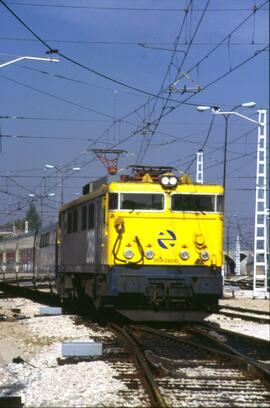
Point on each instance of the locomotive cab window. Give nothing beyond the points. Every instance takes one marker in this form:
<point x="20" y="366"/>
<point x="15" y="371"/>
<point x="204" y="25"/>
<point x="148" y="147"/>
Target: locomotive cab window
<point x="193" y="202"/>
<point x="142" y="201"/>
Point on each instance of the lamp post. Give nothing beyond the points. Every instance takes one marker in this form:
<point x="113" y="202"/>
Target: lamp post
<point x="216" y="110"/>
<point x="41" y="198"/>
<point x="28" y="58"/>
<point x="260" y="235"/>
<point x="61" y="172"/>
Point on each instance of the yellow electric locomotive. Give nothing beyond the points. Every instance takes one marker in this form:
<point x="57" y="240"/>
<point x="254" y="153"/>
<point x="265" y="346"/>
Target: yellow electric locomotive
<point x="148" y="243"/>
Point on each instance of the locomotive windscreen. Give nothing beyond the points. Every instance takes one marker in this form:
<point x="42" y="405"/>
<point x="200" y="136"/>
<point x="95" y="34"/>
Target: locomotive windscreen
<point x="137" y="201"/>
<point x="193" y="202"/>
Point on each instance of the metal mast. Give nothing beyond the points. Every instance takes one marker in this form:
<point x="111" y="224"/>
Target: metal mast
<point x="260" y="233"/>
<point x="199" y="167"/>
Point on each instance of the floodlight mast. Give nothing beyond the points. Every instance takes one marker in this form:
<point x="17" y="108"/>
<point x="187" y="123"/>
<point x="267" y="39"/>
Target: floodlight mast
<point x="60" y="170"/>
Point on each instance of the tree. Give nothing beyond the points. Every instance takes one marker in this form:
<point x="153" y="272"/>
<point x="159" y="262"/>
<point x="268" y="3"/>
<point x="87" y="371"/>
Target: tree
<point x="33" y="217"/>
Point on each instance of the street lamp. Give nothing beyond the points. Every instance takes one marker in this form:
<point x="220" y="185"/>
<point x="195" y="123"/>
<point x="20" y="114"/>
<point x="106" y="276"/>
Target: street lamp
<point x="28" y="58"/>
<point x="260" y="236"/>
<point x="41" y="198"/>
<point x="61" y="172"/>
<point x="216" y="110"/>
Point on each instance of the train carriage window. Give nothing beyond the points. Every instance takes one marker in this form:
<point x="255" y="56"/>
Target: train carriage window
<point x="75" y="221"/>
<point x="141" y="201"/>
<point x="91" y="216"/>
<point x="220" y="203"/>
<point x="193" y="202"/>
<point x="84" y="218"/>
<point x="44" y="240"/>
<point x="113" y="201"/>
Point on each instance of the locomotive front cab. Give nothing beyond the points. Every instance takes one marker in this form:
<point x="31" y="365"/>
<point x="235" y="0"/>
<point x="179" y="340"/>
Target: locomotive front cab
<point x="165" y="242"/>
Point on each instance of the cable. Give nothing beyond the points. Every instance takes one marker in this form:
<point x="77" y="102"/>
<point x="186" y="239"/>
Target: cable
<point x="142" y="152"/>
<point x="54" y="51"/>
<point x="64" y="6"/>
<point x="165" y="113"/>
<point x="204" y="143"/>
<point x="124" y="43"/>
<point x="57" y="97"/>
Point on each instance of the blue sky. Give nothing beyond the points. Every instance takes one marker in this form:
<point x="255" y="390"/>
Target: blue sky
<point x="63" y="104"/>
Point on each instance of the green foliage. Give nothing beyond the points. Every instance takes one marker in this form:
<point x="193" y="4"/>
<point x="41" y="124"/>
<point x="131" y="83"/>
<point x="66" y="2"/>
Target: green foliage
<point x="33" y="218"/>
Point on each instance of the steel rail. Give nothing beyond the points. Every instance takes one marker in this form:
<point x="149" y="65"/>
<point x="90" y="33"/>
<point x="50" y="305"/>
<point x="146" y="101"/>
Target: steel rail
<point x="156" y="396"/>
<point x="245" y="316"/>
<point x="244" y="310"/>
<point x="261" y="372"/>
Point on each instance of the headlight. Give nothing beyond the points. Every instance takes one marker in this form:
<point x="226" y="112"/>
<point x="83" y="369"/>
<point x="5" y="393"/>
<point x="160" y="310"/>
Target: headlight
<point x="173" y="181"/>
<point x="165" y="181"/>
<point x="184" y="255"/>
<point x="199" y="239"/>
<point x="168" y="181"/>
<point x="149" y="254"/>
<point x="128" y="253"/>
<point x="205" y="255"/>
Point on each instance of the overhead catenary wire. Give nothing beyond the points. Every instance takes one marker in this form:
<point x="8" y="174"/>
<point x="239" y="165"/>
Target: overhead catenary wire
<point x="195" y="66"/>
<point x="154" y="124"/>
<point x="54" y="51"/>
<point x="122" y="8"/>
<point x="124" y="43"/>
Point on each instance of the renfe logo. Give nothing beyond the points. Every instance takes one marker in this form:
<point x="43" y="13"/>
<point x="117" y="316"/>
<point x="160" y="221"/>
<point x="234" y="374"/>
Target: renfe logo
<point x="168" y="236"/>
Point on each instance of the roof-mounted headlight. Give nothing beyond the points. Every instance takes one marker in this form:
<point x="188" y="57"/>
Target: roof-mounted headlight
<point x="168" y="181"/>
<point x="173" y="181"/>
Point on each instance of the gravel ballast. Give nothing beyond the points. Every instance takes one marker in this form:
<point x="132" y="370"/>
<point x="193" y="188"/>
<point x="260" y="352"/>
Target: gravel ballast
<point x="41" y="382"/>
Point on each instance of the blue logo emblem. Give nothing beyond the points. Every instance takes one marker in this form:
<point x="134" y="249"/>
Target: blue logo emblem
<point x="169" y="236"/>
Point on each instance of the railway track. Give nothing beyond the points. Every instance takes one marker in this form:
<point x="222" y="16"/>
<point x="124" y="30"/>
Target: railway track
<point x="258" y="316"/>
<point x="193" y="366"/>
<point x="255" y="350"/>
<point x="181" y="371"/>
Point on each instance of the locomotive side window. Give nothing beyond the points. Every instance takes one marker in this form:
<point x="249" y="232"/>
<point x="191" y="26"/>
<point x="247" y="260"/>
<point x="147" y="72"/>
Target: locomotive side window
<point x="91" y="216"/>
<point x="220" y="203"/>
<point x="75" y="221"/>
<point x="69" y="223"/>
<point x="84" y="218"/>
<point x="113" y="201"/>
<point x="141" y="201"/>
<point x="193" y="202"/>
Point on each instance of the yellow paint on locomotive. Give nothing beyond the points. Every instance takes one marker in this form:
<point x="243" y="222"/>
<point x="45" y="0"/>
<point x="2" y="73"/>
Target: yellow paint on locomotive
<point x="166" y="233"/>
